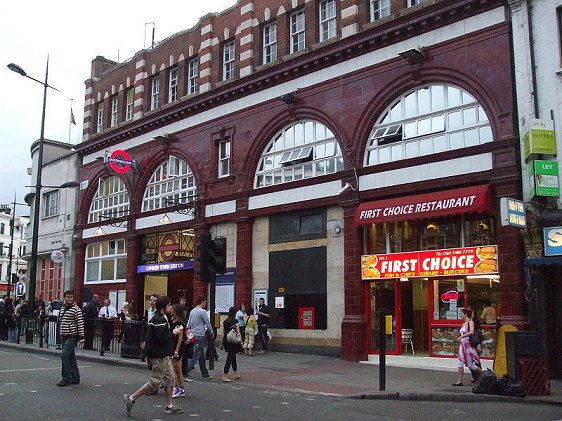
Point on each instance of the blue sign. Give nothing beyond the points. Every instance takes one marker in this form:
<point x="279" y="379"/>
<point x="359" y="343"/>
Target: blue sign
<point x="20" y="289"/>
<point x="513" y="212"/>
<point x="552" y="241"/>
<point x="165" y="267"/>
<point x="228" y="278"/>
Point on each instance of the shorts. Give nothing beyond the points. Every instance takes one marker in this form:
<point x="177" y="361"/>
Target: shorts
<point x="162" y="373"/>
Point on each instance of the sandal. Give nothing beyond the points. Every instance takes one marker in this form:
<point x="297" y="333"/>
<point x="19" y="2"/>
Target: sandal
<point x="458" y="384"/>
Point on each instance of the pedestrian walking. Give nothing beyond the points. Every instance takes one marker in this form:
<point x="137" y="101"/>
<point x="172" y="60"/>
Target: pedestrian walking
<point x="178" y="331"/>
<point x="467" y="355"/>
<point x="90" y="313"/>
<point x="10" y="319"/>
<point x="71" y="325"/>
<point x="231" y="348"/>
<point x="199" y="322"/>
<point x="251" y="325"/>
<point x="158" y="349"/>
<point x="263" y="323"/>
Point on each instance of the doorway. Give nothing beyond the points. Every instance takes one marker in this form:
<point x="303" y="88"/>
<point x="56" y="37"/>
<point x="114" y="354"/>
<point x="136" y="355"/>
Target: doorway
<point x="414" y="313"/>
<point x="384" y="296"/>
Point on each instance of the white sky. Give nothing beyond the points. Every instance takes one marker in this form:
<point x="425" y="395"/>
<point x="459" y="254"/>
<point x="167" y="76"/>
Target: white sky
<point x="72" y="34"/>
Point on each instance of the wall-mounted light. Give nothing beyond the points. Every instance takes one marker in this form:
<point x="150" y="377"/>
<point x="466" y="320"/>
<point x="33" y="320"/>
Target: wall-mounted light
<point x="347" y="186"/>
<point x="413" y="55"/>
<point x="165" y="220"/>
<point x="99" y="231"/>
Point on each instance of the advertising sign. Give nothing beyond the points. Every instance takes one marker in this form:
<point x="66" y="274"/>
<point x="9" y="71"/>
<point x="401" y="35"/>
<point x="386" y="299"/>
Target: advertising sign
<point x="513" y="212"/>
<point x="20" y="289"/>
<point x="460" y="261"/>
<point x="543" y="178"/>
<point x="57" y="256"/>
<point x="165" y="267"/>
<point x="552" y="241"/>
<point x="538" y="138"/>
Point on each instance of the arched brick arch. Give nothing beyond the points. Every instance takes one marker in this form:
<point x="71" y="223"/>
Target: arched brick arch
<point x="152" y="164"/>
<point x="387" y="94"/>
<point x="282" y="120"/>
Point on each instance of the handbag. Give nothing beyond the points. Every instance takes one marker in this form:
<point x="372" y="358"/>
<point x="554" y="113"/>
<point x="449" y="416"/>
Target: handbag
<point x="476" y="338"/>
<point x="233" y="337"/>
<point x="189" y="338"/>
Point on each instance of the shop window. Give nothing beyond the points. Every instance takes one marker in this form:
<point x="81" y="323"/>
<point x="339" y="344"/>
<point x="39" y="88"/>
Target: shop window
<point x="479" y="232"/>
<point x="448" y="299"/>
<point x="106" y="262"/>
<point x="297" y="226"/>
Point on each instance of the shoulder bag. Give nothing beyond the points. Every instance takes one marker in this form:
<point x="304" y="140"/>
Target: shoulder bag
<point x="233" y="337"/>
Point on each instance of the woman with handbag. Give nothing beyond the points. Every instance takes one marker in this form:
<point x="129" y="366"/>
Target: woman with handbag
<point x="467" y="355"/>
<point x="231" y="340"/>
<point x="251" y="326"/>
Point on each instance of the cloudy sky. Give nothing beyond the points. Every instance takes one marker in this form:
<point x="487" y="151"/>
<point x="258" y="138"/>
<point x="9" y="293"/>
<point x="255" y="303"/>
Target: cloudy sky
<point x="71" y="35"/>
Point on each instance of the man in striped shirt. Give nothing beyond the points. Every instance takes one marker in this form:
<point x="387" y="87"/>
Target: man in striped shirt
<point x="71" y="332"/>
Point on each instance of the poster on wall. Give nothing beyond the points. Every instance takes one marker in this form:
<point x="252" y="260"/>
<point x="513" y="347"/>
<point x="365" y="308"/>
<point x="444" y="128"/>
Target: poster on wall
<point x="259" y="293"/>
<point x="224" y="298"/>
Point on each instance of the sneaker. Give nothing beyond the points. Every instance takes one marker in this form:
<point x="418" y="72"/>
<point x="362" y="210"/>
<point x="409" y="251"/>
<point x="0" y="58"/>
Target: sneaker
<point x="62" y="383"/>
<point x="188" y="378"/>
<point x="181" y="393"/>
<point x="175" y="392"/>
<point x="209" y="377"/>
<point x="174" y="409"/>
<point x="128" y="404"/>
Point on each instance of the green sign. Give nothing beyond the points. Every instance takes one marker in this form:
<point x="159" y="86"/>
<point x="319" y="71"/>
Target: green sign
<point x="543" y="178"/>
<point x="538" y="138"/>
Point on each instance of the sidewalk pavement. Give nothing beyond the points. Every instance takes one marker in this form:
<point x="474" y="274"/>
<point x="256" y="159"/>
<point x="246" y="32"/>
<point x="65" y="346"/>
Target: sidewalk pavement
<point x="331" y="376"/>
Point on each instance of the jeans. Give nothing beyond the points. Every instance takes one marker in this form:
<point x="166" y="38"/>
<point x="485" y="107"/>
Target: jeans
<point x="263" y="336"/>
<point x="198" y="355"/>
<point x="70" y="372"/>
<point x="12" y="334"/>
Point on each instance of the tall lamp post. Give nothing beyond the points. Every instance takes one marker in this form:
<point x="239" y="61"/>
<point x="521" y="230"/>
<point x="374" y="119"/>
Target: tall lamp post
<point x="37" y="202"/>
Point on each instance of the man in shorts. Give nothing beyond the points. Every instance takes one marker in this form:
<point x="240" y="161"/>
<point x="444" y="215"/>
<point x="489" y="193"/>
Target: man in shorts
<point x="158" y="349"/>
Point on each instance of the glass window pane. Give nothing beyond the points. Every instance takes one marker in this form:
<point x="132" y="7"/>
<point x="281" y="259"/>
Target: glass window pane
<point x="469" y="116"/>
<point x="107" y="270"/>
<point x="424" y="126"/>
<point x="437" y="97"/>
<point x="410" y="109"/>
<point x="290" y="137"/>
<point x="467" y="98"/>
<point x="426" y="146"/>
<point x="372" y="157"/>
<point x="412" y="149"/>
<point x="471" y="137"/>
<point x="453" y="96"/>
<point x="424" y="101"/>
<point x="121" y="268"/>
<point x="410" y="130"/>
<point x="397" y="152"/>
<point x="319" y="151"/>
<point x="298" y="173"/>
<point x="309" y="132"/>
<point x="437" y="123"/>
<point x="456" y="140"/>
<point x="486" y="134"/>
<point x="440" y="143"/>
<point x="396" y="112"/>
<point x="92" y="271"/>
<point x="299" y="134"/>
<point x="384" y="155"/>
<point x="455" y="120"/>
<point x="307" y="171"/>
<point x="482" y="116"/>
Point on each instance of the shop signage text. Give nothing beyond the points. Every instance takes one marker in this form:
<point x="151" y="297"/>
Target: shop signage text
<point x="538" y="138"/>
<point x="447" y="262"/>
<point x="552" y="241"/>
<point x="543" y="178"/>
<point x="449" y="296"/>
<point x="165" y="267"/>
<point x="119" y="161"/>
<point x="513" y="212"/>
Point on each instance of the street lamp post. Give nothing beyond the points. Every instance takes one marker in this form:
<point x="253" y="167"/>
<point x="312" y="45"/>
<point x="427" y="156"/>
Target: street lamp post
<point x="37" y="201"/>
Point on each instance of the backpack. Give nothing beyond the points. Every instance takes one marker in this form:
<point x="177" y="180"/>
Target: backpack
<point x="486" y="383"/>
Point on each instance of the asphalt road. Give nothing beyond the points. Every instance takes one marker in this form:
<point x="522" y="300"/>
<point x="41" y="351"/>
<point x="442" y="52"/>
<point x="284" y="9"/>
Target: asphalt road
<point x="28" y="392"/>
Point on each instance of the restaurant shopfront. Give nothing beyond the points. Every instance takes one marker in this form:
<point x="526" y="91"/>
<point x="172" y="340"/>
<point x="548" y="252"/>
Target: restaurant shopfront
<point x="427" y="257"/>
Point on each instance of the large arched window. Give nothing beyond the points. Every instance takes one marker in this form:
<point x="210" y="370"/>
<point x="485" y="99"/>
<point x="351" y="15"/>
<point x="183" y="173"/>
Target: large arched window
<point x="111" y="200"/>
<point x="430" y="119"/>
<point x="171" y="183"/>
<point x="302" y="150"/>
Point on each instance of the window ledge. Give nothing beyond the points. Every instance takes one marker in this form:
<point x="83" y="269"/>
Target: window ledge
<point x="559" y="72"/>
<point x="378" y="22"/>
<point x="295" y="54"/>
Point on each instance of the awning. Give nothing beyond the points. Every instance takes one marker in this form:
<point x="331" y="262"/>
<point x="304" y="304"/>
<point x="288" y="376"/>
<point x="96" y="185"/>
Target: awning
<point x="541" y="261"/>
<point x="474" y="199"/>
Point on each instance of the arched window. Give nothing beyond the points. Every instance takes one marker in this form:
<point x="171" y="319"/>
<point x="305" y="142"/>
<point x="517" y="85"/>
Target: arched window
<point x="428" y="120"/>
<point x="302" y="150"/>
<point x="171" y="183"/>
<point x="111" y="200"/>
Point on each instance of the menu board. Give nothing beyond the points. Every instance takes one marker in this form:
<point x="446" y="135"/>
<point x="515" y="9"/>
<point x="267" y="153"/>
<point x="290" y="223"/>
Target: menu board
<point x="446" y="262"/>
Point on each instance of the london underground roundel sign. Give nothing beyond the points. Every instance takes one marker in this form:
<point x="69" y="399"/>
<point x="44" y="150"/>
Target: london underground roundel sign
<point x="119" y="161"/>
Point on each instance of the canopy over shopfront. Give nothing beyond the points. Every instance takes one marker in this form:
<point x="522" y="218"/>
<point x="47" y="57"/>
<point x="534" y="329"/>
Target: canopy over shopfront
<point x="474" y="199"/>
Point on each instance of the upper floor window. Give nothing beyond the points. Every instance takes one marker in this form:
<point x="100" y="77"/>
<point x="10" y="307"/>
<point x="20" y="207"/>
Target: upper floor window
<point x="428" y="120"/>
<point x="106" y="262"/>
<point x="99" y="127"/>
<point x="51" y="203"/>
<point x="228" y="61"/>
<point x="414" y="2"/>
<point x="297" y="31"/>
<point x="130" y="104"/>
<point x="111" y="200"/>
<point x="193" y="76"/>
<point x="224" y="158"/>
<point x="269" y="43"/>
<point x="328" y="23"/>
<point x="302" y="150"/>
<point x="379" y="9"/>
<point x="155" y="93"/>
<point x="2" y="228"/>
<point x="172" y="183"/>
<point x="173" y="85"/>
<point x="114" y="109"/>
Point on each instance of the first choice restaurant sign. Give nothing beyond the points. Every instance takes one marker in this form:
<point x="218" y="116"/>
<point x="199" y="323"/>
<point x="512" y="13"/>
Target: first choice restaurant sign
<point x="447" y="262"/>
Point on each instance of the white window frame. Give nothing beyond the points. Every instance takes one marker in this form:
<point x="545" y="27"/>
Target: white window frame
<point x="414" y="2"/>
<point x="129" y="109"/>
<point x="297" y="31"/>
<point x="172" y="182"/>
<point x="114" y="111"/>
<point x="380" y="9"/>
<point x="193" y="76"/>
<point x="106" y="251"/>
<point x="111" y="200"/>
<point x="155" y="93"/>
<point x="328" y="22"/>
<point x="173" y="85"/>
<point x="270" y="43"/>
<point x="228" y="60"/>
<point x="99" y="127"/>
<point x="51" y="203"/>
<point x="224" y="158"/>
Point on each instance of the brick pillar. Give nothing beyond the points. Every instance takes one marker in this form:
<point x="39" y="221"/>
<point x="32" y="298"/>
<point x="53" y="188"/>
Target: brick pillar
<point x="79" y="270"/>
<point x="349" y="17"/>
<point x="246" y="43"/>
<point x="354" y="324"/>
<point x="140" y="86"/>
<point x="206" y="55"/>
<point x="243" y="292"/>
<point x="199" y="287"/>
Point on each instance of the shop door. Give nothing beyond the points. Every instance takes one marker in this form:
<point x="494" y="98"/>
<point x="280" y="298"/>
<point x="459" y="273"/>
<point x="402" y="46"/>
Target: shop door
<point x="384" y="296"/>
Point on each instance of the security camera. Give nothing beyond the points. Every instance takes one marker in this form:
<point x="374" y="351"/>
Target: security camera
<point x="345" y="188"/>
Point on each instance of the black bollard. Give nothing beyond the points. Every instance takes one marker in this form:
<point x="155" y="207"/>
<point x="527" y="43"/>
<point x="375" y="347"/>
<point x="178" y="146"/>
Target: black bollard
<point x="382" y="351"/>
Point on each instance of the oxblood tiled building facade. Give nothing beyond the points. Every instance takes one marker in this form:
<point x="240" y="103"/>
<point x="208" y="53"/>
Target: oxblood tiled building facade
<point x="249" y="124"/>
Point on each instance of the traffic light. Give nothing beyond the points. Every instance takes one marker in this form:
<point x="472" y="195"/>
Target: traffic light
<point x="203" y="258"/>
<point x="217" y="256"/>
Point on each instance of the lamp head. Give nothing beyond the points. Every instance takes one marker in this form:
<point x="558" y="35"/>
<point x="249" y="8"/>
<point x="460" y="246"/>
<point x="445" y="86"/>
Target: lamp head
<point x="345" y="188"/>
<point x="15" y="68"/>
